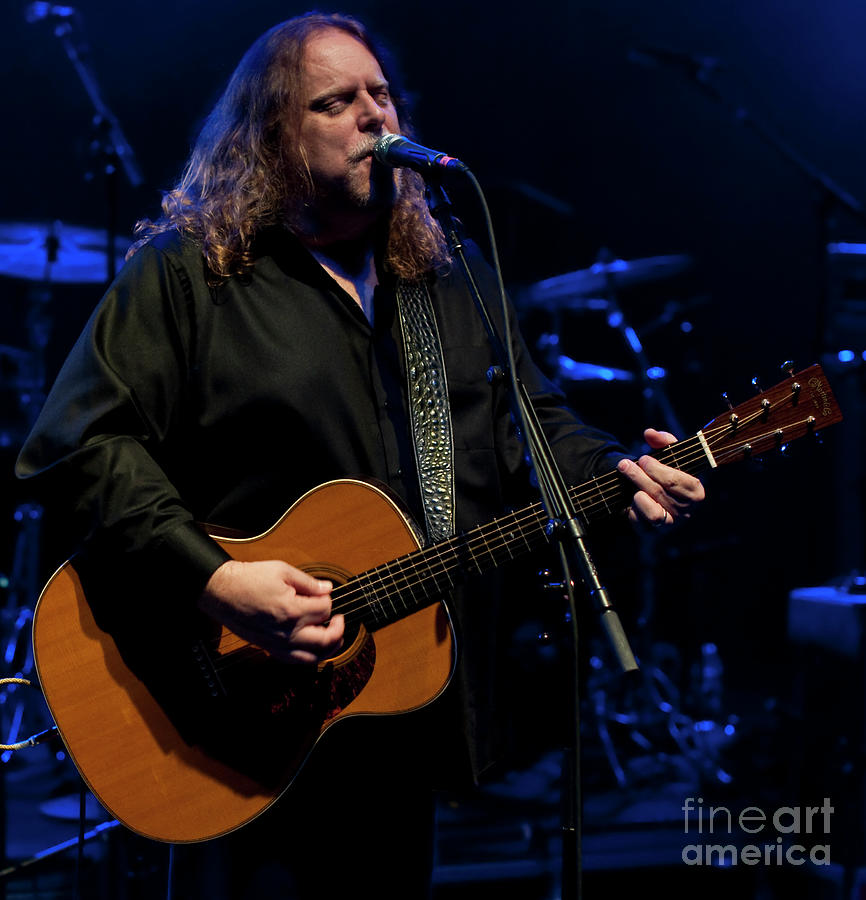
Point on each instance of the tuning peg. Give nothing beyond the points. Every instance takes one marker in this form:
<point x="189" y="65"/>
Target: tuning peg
<point x="788" y="366"/>
<point x="734" y="417"/>
<point x="816" y="435"/>
<point x="756" y="384"/>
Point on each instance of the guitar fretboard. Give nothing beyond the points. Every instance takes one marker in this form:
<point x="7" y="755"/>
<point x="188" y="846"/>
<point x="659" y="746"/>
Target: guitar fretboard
<point x="398" y="588"/>
<point x="801" y="405"/>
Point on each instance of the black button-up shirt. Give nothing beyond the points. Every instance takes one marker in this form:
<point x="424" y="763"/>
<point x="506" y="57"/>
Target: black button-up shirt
<point x="182" y="403"/>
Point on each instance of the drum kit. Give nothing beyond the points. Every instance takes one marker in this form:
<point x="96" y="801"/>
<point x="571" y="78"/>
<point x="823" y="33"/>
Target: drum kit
<point x="597" y="291"/>
<point x="571" y="304"/>
<point x="35" y="259"/>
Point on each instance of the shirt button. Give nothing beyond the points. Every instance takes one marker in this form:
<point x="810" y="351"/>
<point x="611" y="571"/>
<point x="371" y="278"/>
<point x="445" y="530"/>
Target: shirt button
<point x="399" y="473"/>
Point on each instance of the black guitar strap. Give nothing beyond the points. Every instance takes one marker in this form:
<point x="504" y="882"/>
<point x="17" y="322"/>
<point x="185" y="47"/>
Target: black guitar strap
<point x="428" y="407"/>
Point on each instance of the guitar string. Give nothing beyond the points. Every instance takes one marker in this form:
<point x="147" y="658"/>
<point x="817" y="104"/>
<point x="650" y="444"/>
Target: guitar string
<point x="430" y="586"/>
<point x="409" y="567"/>
<point x="472" y="541"/>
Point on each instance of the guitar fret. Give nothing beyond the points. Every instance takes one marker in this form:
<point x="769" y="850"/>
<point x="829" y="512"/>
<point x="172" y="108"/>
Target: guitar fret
<point x="465" y="556"/>
<point x="372" y="601"/>
<point x="387" y="592"/>
<point x="599" y="493"/>
<point x="486" y="548"/>
<point x="438" y="569"/>
<point x="500" y="548"/>
<point x="407" y="586"/>
<point x="391" y="594"/>
<point x="489" y="547"/>
<point x="509" y="538"/>
<point x="672" y="455"/>
<point x="419" y="575"/>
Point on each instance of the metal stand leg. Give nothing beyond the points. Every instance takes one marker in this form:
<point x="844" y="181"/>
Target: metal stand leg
<point x="16" y="645"/>
<point x="17" y="618"/>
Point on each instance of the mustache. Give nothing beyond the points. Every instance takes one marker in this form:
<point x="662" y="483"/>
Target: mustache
<point x="365" y="148"/>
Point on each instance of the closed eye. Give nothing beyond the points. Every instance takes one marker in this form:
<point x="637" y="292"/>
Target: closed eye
<point x="333" y="104"/>
<point x="382" y="96"/>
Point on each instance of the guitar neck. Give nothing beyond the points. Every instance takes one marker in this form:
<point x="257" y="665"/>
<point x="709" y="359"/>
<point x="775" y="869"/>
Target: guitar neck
<point x="791" y="409"/>
<point x="400" y="587"/>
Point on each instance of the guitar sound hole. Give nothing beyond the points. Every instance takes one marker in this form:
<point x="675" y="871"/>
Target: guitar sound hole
<point x="353" y="636"/>
<point x="353" y="640"/>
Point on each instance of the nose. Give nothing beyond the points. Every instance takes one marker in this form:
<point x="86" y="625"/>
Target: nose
<point x="372" y="116"/>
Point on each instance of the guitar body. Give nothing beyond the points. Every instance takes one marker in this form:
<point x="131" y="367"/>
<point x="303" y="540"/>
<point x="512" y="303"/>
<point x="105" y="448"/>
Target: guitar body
<point x="257" y="719"/>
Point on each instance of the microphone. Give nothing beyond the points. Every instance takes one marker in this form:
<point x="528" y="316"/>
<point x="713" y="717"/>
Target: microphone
<point x="399" y="152"/>
<point x="36" y="12"/>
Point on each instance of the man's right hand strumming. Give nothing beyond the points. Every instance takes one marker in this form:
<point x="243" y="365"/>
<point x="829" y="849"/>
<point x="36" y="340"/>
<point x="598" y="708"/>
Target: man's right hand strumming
<point x="276" y="607"/>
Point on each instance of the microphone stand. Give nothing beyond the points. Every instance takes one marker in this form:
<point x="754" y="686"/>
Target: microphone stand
<point x="109" y="138"/>
<point x="563" y="525"/>
<point x="700" y="70"/>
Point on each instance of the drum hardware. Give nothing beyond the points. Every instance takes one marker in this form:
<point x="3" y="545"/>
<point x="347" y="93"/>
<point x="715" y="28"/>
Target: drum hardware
<point x="43" y="254"/>
<point x="655" y="398"/>
<point x="642" y="726"/>
<point x="597" y="288"/>
<point x="644" y="731"/>
<point x="22" y="590"/>
<point x="49" y="254"/>
<point x="563" y="368"/>
<point x="22" y="371"/>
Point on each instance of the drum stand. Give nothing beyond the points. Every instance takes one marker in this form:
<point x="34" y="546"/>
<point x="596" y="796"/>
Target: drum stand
<point x="24" y="580"/>
<point x="17" y="618"/>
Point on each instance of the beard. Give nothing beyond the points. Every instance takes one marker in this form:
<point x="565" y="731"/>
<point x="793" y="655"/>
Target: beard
<point x="362" y="198"/>
<point x="374" y="191"/>
<point x="364" y="194"/>
<point x="367" y="184"/>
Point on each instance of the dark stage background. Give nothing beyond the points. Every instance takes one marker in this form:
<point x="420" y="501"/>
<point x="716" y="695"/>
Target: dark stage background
<point x="728" y="135"/>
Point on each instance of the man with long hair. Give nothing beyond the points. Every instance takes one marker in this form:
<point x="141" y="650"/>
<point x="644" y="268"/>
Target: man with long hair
<point x="252" y="348"/>
<point x="251" y="167"/>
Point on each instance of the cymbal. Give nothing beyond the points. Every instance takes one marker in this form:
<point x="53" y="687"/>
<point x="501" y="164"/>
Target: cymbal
<point x="56" y="252"/>
<point x="587" y="288"/>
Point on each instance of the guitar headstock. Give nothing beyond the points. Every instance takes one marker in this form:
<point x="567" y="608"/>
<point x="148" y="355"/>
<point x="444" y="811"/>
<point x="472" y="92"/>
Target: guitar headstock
<point x="800" y="405"/>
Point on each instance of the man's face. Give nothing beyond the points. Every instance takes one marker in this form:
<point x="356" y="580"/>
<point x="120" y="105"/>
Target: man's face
<point x="347" y="105"/>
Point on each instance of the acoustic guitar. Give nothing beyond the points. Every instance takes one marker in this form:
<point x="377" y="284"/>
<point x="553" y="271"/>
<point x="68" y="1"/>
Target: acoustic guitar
<point x="189" y="732"/>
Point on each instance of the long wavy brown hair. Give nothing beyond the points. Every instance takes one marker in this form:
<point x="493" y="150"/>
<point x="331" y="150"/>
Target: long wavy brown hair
<point x="247" y="172"/>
